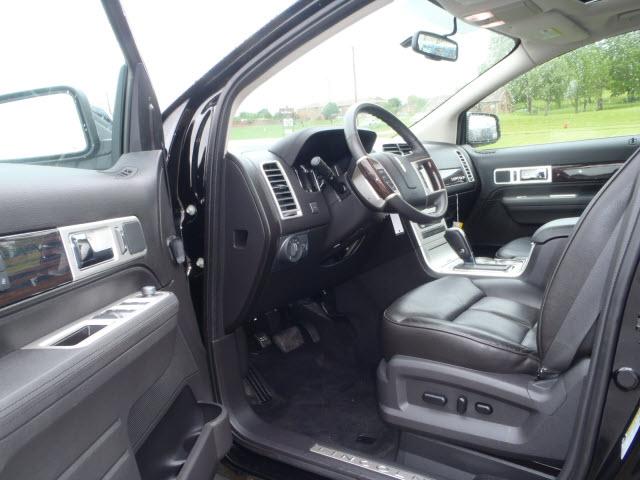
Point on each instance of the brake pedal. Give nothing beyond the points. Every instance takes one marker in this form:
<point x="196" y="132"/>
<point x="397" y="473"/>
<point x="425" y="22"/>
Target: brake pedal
<point x="289" y="339"/>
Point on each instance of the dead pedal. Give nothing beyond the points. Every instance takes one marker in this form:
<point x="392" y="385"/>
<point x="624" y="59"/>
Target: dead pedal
<point x="257" y="383"/>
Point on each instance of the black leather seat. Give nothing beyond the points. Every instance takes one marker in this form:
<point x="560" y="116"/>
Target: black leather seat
<point x="509" y="325"/>
<point x="487" y="324"/>
<point x="518" y="248"/>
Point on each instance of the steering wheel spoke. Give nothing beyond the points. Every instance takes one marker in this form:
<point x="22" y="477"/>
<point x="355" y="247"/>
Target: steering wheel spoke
<point x="409" y="185"/>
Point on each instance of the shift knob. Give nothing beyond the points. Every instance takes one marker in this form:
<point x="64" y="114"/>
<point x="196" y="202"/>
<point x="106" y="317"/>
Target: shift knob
<point x="458" y="241"/>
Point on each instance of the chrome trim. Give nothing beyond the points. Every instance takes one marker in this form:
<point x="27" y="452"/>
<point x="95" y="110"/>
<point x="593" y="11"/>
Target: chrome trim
<point x="367" y="463"/>
<point x="448" y="259"/>
<point x="298" y="210"/>
<point x="563" y="195"/>
<point x="384" y="200"/>
<point x="128" y="309"/>
<point x="106" y="233"/>
<point x="466" y="167"/>
<point x="515" y="174"/>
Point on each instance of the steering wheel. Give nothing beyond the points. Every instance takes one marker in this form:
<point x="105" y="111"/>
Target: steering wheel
<point x="409" y="185"/>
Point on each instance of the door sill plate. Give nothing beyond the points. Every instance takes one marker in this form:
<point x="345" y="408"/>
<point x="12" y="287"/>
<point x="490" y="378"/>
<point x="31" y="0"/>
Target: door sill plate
<point x="367" y="463"/>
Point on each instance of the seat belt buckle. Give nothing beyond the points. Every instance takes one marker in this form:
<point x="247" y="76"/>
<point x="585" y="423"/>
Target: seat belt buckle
<point x="545" y="373"/>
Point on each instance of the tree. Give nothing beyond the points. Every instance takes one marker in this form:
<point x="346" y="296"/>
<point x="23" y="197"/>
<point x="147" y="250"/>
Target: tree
<point x="330" y="111"/>
<point x="416" y="104"/>
<point x="526" y="88"/>
<point x="393" y="105"/>
<point x="553" y="80"/>
<point x="624" y="57"/>
<point x="588" y="71"/>
<point x="264" y="113"/>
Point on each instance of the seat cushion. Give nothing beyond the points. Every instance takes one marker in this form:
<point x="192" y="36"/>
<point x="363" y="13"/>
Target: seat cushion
<point x="483" y="324"/>
<point x="520" y="247"/>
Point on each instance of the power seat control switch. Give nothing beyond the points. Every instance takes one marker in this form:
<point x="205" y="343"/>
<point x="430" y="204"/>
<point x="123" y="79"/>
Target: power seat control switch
<point x="434" y="399"/>
<point x="461" y="405"/>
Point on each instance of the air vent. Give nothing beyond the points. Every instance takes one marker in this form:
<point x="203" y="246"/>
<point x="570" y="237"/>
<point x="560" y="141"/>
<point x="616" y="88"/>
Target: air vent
<point x="281" y="190"/>
<point x="397" y="148"/>
<point x="465" y="165"/>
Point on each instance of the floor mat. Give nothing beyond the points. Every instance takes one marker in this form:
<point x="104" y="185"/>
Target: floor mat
<point x="328" y="397"/>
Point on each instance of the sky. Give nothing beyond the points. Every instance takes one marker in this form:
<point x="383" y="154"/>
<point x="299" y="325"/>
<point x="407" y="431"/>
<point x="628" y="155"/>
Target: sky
<point x="383" y="67"/>
<point x="70" y="42"/>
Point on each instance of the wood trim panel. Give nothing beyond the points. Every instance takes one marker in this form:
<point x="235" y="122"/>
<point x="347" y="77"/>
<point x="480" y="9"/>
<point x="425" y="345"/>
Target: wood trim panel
<point x="588" y="172"/>
<point x="31" y="263"/>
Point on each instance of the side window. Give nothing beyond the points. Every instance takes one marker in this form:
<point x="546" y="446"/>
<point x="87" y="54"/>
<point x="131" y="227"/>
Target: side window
<point x="59" y="84"/>
<point x="592" y="92"/>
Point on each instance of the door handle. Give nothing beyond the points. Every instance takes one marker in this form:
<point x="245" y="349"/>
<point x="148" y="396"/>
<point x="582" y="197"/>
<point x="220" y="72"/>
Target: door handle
<point x="86" y="255"/>
<point x="533" y="174"/>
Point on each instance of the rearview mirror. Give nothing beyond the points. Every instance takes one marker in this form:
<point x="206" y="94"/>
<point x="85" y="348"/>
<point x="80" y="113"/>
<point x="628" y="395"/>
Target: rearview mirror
<point x="434" y="46"/>
<point x="482" y="128"/>
<point x="46" y="123"/>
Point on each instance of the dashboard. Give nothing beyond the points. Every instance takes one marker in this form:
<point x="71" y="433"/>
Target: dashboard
<point x="296" y="226"/>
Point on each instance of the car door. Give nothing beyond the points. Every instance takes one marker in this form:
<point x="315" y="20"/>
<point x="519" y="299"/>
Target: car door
<point x="564" y="128"/>
<point x="103" y="372"/>
<point x="527" y="186"/>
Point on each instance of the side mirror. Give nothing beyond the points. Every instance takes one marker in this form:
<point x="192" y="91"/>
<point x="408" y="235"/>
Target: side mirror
<point x="434" y="46"/>
<point x="47" y="124"/>
<point x="482" y="129"/>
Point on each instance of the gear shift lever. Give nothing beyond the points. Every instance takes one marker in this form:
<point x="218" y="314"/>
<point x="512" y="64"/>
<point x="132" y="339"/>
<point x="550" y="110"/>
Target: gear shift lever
<point x="458" y="241"/>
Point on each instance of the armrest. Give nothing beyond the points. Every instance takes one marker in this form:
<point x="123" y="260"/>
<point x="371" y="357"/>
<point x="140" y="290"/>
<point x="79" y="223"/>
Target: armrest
<point x="559" y="228"/>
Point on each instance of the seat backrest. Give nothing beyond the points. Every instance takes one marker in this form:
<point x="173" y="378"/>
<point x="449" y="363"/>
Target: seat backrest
<point x="579" y="259"/>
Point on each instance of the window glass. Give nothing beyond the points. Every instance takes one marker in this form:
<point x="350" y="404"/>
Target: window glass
<point x="369" y="60"/>
<point x="592" y="92"/>
<point x="60" y="67"/>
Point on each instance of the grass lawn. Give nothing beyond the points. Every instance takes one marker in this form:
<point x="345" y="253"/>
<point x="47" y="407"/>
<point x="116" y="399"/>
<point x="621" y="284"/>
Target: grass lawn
<point x="565" y="125"/>
<point x="519" y="128"/>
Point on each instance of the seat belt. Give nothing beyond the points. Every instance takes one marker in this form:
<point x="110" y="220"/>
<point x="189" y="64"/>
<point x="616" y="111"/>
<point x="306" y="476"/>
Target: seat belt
<point x="583" y="313"/>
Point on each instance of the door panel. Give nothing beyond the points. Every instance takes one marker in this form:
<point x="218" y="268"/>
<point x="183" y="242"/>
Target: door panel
<point x="92" y="366"/>
<point x="509" y="207"/>
<point x="85" y="411"/>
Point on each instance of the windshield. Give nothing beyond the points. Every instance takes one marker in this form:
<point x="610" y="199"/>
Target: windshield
<point x="366" y="62"/>
<point x="180" y="41"/>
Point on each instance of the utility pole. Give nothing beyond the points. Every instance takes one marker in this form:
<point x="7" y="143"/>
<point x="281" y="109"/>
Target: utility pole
<point x="355" y="80"/>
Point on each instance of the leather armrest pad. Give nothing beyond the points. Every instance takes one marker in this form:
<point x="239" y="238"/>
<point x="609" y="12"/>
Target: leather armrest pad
<point x="562" y="227"/>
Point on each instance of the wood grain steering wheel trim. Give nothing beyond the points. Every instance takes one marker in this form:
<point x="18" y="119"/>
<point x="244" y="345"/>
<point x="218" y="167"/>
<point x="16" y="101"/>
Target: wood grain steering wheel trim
<point x="369" y="172"/>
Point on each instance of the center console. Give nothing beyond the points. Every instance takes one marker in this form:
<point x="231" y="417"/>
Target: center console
<point x="442" y="254"/>
<point x="446" y="251"/>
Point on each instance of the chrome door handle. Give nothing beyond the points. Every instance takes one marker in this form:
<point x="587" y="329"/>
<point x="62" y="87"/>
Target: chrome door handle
<point x="84" y="252"/>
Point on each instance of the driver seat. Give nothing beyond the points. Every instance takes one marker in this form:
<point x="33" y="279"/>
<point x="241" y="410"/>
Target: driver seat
<point x="516" y="349"/>
<point x="484" y="324"/>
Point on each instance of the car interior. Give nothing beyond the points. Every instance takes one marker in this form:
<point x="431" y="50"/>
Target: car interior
<point x="441" y="351"/>
<point x="353" y="304"/>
